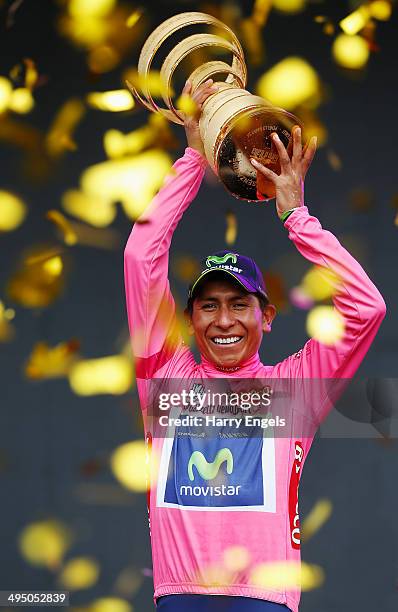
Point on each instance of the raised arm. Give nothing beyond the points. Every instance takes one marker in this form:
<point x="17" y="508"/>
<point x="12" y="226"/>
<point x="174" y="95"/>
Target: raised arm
<point x="355" y="296"/>
<point x="150" y="304"/>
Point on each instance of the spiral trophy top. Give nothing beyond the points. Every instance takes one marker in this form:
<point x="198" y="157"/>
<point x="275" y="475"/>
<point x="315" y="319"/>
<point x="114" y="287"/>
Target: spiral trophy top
<point x="236" y="72"/>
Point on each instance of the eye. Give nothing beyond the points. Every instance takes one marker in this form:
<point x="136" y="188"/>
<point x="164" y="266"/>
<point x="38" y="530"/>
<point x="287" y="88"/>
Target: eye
<point x="240" y="305"/>
<point x="208" y="306"/>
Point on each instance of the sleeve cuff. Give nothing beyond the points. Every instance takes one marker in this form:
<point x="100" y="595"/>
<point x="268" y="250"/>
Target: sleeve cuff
<point x="300" y="211"/>
<point x="196" y="156"/>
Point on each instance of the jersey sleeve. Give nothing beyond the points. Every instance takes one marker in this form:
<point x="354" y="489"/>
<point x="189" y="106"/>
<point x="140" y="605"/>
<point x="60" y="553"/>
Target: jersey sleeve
<point x="151" y="310"/>
<point x="355" y="298"/>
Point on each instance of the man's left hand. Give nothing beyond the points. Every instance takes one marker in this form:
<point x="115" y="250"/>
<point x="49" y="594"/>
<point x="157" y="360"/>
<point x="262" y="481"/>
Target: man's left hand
<point x="289" y="184"/>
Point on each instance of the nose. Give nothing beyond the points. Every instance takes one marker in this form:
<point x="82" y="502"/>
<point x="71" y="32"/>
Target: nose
<point x="225" y="317"/>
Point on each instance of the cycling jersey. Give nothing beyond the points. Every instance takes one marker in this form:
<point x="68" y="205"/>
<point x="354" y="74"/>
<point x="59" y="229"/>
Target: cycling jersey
<point x="190" y="534"/>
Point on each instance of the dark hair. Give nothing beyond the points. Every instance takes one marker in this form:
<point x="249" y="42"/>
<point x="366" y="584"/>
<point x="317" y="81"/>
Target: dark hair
<point x="221" y="275"/>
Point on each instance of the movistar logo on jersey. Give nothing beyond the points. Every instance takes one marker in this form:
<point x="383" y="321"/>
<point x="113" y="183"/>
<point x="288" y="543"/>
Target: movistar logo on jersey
<point x="214" y="259"/>
<point x="209" y="470"/>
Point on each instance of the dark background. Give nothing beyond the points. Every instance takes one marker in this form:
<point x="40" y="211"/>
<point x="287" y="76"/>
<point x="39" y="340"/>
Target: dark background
<point x="47" y="433"/>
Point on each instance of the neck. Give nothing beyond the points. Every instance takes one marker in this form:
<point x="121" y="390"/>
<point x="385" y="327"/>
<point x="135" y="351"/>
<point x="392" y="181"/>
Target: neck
<point x="249" y="366"/>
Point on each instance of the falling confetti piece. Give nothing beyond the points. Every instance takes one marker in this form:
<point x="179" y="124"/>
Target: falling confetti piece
<point x="111" y="375"/>
<point x="381" y="10"/>
<point x="261" y="10"/>
<point x="231" y="231"/>
<point x="60" y="135"/>
<point x="186" y="104"/>
<point x="236" y="558"/>
<point x="276" y="289"/>
<point x="110" y="604"/>
<point x="290" y="83"/>
<point x="31" y="74"/>
<point x="318" y="516"/>
<point x="46" y="362"/>
<point x="7" y="331"/>
<point x="320" y="283"/>
<point x="133" y="18"/>
<point x="79" y="573"/>
<point x="350" y="51"/>
<point x="12" y="211"/>
<point x="63" y="224"/>
<point x="39" y="279"/>
<point x="288" y="575"/>
<point x="115" y="101"/>
<point x="44" y="543"/>
<point x="334" y="160"/>
<point x="5" y="93"/>
<point x="325" y="324"/>
<point x="289" y="6"/>
<point x="355" y="21"/>
<point x="21" y="101"/>
<point x="130" y="465"/>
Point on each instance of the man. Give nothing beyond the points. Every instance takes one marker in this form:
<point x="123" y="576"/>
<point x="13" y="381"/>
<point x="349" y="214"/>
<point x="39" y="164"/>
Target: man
<point x="195" y="528"/>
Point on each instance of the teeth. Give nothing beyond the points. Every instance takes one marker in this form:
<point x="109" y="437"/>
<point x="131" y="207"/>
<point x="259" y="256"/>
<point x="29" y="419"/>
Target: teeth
<point x="226" y="340"/>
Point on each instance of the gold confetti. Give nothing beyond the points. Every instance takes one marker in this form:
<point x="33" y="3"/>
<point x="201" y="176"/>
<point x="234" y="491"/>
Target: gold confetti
<point x="46" y="362"/>
<point x="290" y="83"/>
<point x="92" y="209"/>
<point x="133" y="18"/>
<point x="350" y="51"/>
<point x="289" y="6"/>
<point x="44" y="543"/>
<point x="110" y="604"/>
<point x="12" y="211"/>
<point x="128" y="582"/>
<point x="130" y="465"/>
<point x="39" y="279"/>
<point x="114" y="101"/>
<point x="21" y="101"/>
<point x="231" y="231"/>
<point x="5" y="93"/>
<point x="319" y="283"/>
<point x="334" y="160"/>
<point x="236" y="558"/>
<point x="69" y="236"/>
<point x="7" y="331"/>
<point x="187" y="105"/>
<point x="79" y="573"/>
<point x="325" y="324"/>
<point x="355" y="21"/>
<point x="31" y="74"/>
<point x="60" y="135"/>
<point x="288" y="575"/>
<point x="318" y="516"/>
<point x="107" y="375"/>
<point x="261" y="10"/>
<point x="380" y="10"/>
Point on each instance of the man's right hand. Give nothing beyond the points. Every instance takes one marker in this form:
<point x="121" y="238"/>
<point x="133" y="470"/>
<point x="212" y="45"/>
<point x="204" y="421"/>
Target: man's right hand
<point x="191" y="121"/>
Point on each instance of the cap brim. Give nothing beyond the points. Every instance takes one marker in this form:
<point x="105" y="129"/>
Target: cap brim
<point x="242" y="281"/>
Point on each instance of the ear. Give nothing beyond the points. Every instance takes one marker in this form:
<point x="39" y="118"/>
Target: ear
<point x="269" y="314"/>
<point x="188" y="322"/>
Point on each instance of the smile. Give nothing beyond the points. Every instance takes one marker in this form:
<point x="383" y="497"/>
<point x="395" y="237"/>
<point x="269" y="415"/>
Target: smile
<point x="230" y="340"/>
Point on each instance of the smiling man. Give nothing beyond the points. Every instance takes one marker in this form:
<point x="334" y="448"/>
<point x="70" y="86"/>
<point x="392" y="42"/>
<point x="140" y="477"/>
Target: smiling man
<point x="224" y="510"/>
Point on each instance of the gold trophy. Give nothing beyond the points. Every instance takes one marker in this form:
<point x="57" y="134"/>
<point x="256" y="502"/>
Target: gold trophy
<point x="234" y="124"/>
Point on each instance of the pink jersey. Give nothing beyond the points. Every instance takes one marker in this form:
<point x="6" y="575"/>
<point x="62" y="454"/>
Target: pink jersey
<point x="190" y="541"/>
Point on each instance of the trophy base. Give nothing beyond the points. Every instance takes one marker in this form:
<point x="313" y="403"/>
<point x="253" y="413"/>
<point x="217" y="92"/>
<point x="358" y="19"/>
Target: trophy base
<point x="250" y="136"/>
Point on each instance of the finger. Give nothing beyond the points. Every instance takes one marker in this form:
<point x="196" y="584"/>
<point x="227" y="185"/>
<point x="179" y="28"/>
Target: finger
<point x="297" y="149"/>
<point x="283" y="156"/>
<point x="309" y="156"/>
<point x="202" y="94"/>
<point x="264" y="170"/>
<point x="187" y="87"/>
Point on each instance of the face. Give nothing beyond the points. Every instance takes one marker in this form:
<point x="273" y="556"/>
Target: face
<point x="228" y="322"/>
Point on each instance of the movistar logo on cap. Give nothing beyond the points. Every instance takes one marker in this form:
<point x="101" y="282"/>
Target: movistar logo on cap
<point x="209" y="470"/>
<point x="214" y="259"/>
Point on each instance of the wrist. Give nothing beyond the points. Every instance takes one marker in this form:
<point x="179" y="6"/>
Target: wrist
<point x="286" y="213"/>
